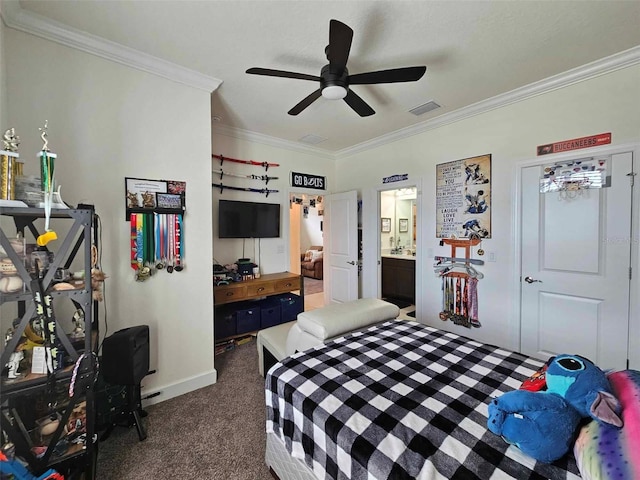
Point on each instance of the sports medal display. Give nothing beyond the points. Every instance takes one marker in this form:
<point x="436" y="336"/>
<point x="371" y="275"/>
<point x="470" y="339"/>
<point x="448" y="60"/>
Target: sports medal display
<point x="157" y="243"/>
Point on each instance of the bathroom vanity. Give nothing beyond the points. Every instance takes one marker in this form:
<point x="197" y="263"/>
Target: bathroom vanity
<point x="399" y="276"/>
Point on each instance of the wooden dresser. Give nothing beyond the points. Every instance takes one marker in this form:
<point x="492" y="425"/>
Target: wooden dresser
<point x="269" y="284"/>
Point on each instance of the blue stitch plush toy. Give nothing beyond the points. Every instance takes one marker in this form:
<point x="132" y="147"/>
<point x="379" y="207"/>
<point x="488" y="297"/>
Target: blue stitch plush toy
<point x="544" y="424"/>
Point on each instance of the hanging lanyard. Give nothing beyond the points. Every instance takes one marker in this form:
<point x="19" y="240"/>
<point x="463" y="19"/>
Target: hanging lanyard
<point x="165" y="240"/>
<point x="171" y="227"/>
<point x="134" y="242"/>
<point x="156" y="233"/>
<point x="149" y="239"/>
<point x="179" y="242"/>
<point x="140" y="240"/>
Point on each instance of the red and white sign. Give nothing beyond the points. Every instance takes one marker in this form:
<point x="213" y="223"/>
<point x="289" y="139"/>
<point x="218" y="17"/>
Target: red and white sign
<point x="575" y="144"/>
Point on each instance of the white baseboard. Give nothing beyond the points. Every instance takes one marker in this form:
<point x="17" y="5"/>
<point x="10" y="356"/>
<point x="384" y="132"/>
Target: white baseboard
<point x="176" y="389"/>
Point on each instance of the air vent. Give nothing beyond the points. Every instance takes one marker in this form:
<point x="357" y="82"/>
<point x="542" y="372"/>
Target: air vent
<point x="427" y="107"/>
<point x="312" y="139"/>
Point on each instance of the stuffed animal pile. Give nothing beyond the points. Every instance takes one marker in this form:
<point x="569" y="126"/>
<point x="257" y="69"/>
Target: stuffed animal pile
<point x="544" y="424"/>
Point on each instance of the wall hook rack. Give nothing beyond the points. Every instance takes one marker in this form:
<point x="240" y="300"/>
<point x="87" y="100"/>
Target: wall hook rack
<point x="266" y="165"/>
<point x="265" y="191"/>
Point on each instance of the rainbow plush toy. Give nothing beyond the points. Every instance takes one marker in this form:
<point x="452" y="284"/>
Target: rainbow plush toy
<point x="544" y="424"/>
<point x="606" y="453"/>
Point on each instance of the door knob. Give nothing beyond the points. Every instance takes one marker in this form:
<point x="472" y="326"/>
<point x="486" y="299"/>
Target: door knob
<point x="531" y="280"/>
<point x="351" y="263"/>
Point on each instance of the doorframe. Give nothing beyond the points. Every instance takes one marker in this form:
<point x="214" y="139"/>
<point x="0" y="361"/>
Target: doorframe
<point x="286" y="221"/>
<point x="516" y="212"/>
<point x="371" y="283"/>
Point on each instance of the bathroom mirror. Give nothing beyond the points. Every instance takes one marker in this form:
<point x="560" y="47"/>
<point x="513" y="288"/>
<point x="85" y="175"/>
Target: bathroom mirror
<point x="399" y="206"/>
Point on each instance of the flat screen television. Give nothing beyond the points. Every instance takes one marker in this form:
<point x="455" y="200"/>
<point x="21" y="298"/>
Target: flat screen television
<point x="248" y="219"/>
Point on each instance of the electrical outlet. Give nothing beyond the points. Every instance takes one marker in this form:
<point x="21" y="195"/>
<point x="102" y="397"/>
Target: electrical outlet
<point x="492" y="257"/>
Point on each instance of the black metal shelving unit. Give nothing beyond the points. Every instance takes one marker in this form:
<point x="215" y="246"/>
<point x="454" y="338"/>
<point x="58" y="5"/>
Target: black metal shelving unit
<point x="67" y="450"/>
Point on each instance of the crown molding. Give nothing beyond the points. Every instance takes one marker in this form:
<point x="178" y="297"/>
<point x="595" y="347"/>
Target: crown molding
<point x="17" y="18"/>
<point x="624" y="59"/>
<point x="271" y="141"/>
<point x="29" y="22"/>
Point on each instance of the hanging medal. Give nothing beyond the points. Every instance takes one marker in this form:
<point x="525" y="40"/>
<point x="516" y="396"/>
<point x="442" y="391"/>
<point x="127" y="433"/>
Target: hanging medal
<point x="473" y="303"/>
<point x="134" y="242"/>
<point x="179" y="243"/>
<point x="157" y="228"/>
<point x="172" y="240"/>
<point x="443" y="314"/>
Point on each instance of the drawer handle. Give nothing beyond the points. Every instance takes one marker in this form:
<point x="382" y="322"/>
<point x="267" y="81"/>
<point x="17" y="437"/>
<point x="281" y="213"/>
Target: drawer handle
<point x="288" y="285"/>
<point x="229" y="294"/>
<point x="260" y="289"/>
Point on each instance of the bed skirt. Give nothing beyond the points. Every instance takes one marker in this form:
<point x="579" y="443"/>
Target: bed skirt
<point x="285" y="466"/>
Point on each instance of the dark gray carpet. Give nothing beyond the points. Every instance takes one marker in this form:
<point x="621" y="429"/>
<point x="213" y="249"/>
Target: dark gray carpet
<point x="312" y="285"/>
<point x="217" y="432"/>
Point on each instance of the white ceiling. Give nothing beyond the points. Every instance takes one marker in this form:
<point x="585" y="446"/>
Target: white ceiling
<point x="473" y="50"/>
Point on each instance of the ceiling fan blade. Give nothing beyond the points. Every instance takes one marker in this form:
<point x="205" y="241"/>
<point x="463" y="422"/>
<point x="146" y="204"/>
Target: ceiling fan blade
<point x="281" y="73"/>
<point x="395" y="75"/>
<point x="340" y="37"/>
<point x="361" y="107"/>
<point x="305" y="102"/>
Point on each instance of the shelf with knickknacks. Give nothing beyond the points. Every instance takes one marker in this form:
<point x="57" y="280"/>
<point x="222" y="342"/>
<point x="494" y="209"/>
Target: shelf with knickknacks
<point x="48" y="360"/>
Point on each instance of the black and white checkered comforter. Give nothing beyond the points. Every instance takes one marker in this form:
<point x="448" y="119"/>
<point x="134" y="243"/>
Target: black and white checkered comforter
<point x="401" y="401"/>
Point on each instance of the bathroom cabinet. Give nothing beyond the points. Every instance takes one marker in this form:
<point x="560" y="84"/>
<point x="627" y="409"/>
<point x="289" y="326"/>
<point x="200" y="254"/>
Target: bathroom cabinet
<point x="399" y="278"/>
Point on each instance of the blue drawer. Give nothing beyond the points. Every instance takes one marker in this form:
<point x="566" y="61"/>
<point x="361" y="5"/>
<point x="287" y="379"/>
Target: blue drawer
<point x="290" y="306"/>
<point x="225" y="323"/>
<point x="270" y="315"/>
<point x="248" y="318"/>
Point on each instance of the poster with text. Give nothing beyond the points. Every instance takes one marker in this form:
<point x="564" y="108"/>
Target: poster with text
<point x="463" y="198"/>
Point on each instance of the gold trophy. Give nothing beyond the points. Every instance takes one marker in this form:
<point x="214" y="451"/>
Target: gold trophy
<point x="10" y="167"/>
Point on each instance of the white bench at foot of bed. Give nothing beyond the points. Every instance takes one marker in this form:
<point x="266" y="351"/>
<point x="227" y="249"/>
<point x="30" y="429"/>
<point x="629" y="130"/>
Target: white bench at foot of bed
<point x="319" y="326"/>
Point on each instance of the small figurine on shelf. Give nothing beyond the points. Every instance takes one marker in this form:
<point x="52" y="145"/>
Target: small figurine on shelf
<point x="9" y="335"/>
<point x="14" y="364"/>
<point x="78" y="322"/>
<point x="15" y="358"/>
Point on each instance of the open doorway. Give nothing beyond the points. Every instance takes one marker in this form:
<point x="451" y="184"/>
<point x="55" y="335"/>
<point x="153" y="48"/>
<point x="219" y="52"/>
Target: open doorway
<point x="306" y="245"/>
<point x="398" y="240"/>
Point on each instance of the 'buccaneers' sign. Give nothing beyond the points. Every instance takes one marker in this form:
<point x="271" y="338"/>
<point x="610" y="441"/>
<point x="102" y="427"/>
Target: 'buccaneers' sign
<point x="575" y="144"/>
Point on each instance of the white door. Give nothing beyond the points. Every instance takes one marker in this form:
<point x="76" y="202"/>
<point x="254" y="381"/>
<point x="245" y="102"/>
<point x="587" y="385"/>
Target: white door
<point x="341" y="247"/>
<point x="576" y="253"/>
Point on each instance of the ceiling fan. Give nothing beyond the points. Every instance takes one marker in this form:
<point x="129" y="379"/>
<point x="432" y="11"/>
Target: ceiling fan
<point x="335" y="79"/>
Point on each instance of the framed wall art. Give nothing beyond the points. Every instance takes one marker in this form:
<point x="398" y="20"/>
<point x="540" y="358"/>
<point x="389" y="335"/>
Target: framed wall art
<point x="463" y="198"/>
<point x="403" y="225"/>
<point x="385" y="225"/>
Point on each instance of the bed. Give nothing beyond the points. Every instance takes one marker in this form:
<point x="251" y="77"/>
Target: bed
<point x="399" y="400"/>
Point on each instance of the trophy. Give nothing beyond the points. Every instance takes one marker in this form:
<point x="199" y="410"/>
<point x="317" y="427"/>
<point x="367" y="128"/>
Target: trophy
<point x="10" y="167"/>
<point x="47" y="182"/>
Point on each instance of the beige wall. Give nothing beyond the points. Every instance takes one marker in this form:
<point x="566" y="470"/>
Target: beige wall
<point x="274" y="256"/>
<point x="608" y="103"/>
<point x="108" y="122"/>
<point x="4" y="115"/>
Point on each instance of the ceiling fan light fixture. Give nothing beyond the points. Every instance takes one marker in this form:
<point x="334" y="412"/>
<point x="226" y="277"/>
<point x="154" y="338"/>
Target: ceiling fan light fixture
<point x="334" y="92"/>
